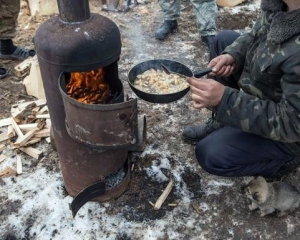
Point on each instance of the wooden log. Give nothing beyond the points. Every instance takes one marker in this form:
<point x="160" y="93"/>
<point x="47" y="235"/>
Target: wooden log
<point x="33" y="82"/>
<point x="32" y="141"/>
<point x="33" y="152"/>
<point x="22" y="104"/>
<point x="23" y="68"/>
<point x="10" y="131"/>
<point x="29" y="127"/>
<point x="17" y="129"/>
<point x="43" y="110"/>
<point x="42" y="116"/>
<point x="163" y="196"/>
<point x="21" y="141"/>
<point x="8" y="172"/>
<point x="42" y="133"/>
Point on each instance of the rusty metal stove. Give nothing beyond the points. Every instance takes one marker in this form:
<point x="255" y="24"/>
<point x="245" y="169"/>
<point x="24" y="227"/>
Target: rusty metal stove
<point x="92" y="140"/>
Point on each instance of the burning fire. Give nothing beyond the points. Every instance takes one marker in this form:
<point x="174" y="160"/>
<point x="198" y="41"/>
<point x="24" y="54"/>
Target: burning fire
<point x="89" y="87"/>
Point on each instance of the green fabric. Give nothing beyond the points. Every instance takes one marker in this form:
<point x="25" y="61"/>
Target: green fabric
<point x="9" y="11"/>
<point x="269" y="103"/>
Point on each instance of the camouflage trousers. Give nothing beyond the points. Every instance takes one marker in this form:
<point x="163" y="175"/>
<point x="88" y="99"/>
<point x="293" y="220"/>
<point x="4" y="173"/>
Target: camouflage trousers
<point x="9" y="11"/>
<point x="206" y="12"/>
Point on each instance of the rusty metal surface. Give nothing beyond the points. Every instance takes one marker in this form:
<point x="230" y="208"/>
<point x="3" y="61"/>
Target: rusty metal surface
<point x="103" y="126"/>
<point x="63" y="47"/>
<point x="73" y="10"/>
<point x="89" y="45"/>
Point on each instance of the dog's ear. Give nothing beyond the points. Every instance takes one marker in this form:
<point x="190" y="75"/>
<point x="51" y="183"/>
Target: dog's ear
<point x="255" y="196"/>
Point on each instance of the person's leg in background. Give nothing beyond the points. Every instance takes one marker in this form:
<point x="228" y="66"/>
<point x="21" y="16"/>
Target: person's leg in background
<point x="171" y="12"/>
<point x="206" y="12"/>
<point x="9" y="11"/>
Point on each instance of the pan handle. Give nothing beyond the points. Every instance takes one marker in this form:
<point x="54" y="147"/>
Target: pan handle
<point x="202" y="72"/>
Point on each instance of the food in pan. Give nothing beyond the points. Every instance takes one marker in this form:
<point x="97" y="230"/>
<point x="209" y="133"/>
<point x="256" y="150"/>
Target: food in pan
<point x="159" y="82"/>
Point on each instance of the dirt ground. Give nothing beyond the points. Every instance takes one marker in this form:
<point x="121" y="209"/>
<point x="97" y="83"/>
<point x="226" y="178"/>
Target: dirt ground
<point x="228" y="217"/>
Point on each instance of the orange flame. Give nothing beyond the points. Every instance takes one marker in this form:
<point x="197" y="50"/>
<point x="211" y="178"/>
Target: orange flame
<point x="88" y="87"/>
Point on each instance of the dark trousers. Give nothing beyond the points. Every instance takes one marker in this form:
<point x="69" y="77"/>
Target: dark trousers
<point x="231" y="152"/>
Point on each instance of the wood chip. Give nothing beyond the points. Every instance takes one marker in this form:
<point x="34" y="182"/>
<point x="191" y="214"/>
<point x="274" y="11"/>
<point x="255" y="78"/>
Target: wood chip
<point x="5" y="122"/>
<point x="163" y="196"/>
<point x="17" y="129"/>
<point x="2" y="157"/>
<point x="21" y="141"/>
<point x="42" y="133"/>
<point x="3" y="137"/>
<point x="19" y="164"/>
<point x="33" y="152"/>
<point x="10" y="131"/>
<point x="2" y="147"/>
<point x="42" y="116"/>
<point x="29" y="127"/>
<point x="8" y="172"/>
<point x="197" y="208"/>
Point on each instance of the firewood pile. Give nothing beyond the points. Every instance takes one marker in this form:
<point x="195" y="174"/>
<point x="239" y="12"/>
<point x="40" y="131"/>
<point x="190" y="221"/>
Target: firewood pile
<point x="29" y="124"/>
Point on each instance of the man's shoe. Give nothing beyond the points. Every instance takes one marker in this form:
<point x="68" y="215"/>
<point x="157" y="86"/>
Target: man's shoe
<point x="288" y="168"/>
<point x="208" y="40"/>
<point x="168" y="27"/>
<point x="194" y="134"/>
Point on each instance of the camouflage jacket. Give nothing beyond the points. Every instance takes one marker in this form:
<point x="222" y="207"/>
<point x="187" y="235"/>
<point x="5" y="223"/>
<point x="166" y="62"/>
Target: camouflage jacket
<point x="268" y="59"/>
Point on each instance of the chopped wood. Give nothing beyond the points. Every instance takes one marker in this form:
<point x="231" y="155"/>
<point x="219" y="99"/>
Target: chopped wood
<point x="163" y="196"/>
<point x="48" y="123"/>
<point x="43" y="115"/>
<point x="2" y="147"/>
<point x="23" y="68"/>
<point x="33" y="152"/>
<point x="29" y="127"/>
<point x="172" y="205"/>
<point x="2" y="157"/>
<point x="33" y="82"/>
<point x="44" y="109"/>
<point x="42" y="133"/>
<point x="5" y="122"/>
<point x="19" y="164"/>
<point x="22" y="104"/>
<point x="35" y="110"/>
<point x="22" y="140"/>
<point x="32" y="141"/>
<point x="3" y="137"/>
<point x="197" y="208"/>
<point x="8" y="172"/>
<point x="10" y="131"/>
<point x="17" y="129"/>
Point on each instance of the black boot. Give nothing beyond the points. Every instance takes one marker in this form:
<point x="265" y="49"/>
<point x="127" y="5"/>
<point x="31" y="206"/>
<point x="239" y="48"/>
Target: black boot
<point x="168" y="27"/>
<point x="208" y="40"/>
<point x="287" y="168"/>
<point x="194" y="134"/>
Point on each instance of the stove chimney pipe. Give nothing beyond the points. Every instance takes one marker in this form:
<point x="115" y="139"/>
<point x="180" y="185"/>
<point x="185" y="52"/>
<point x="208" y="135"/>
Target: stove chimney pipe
<point x="73" y="11"/>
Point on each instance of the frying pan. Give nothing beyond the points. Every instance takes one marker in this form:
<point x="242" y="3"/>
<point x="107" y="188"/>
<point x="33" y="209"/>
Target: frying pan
<point x="156" y="64"/>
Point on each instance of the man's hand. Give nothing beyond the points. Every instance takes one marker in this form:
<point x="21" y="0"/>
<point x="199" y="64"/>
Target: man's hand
<point x="222" y="65"/>
<point x="205" y="92"/>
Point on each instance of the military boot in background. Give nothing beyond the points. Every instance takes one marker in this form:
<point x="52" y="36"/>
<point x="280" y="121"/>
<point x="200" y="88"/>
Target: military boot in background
<point x="168" y="27"/>
<point x="194" y="134"/>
